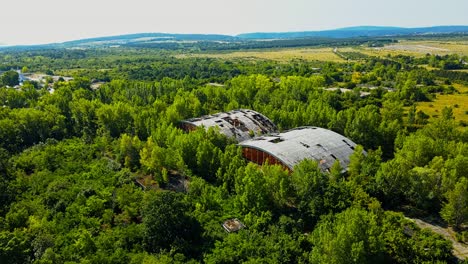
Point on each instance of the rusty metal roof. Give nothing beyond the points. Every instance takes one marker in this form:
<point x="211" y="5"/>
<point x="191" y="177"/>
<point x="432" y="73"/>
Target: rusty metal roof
<point x="240" y="124"/>
<point x="293" y="146"/>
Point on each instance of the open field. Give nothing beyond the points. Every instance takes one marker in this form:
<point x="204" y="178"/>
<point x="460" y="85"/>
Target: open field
<point x="419" y="48"/>
<point x="409" y="48"/>
<point x="382" y="51"/>
<point x="458" y="102"/>
<point x="285" y="55"/>
<point x="464" y="70"/>
<point x="461" y="88"/>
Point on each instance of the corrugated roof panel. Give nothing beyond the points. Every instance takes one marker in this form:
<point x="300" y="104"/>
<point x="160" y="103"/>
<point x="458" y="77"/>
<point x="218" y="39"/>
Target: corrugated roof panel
<point x="291" y="147"/>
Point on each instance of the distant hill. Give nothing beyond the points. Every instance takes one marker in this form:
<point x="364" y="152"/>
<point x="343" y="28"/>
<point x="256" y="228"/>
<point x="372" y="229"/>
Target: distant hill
<point x="361" y="31"/>
<point x="151" y="37"/>
<point x="350" y="32"/>
<point x="139" y="39"/>
<point x="248" y="40"/>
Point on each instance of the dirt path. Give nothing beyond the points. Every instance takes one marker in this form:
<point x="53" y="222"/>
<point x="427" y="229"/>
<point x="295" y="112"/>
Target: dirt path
<point x="459" y="250"/>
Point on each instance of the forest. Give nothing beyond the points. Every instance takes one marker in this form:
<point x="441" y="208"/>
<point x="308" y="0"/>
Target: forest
<point x="103" y="174"/>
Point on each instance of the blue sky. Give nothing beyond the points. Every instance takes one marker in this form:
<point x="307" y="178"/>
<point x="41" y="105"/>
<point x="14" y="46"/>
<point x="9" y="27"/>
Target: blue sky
<point x="45" y="21"/>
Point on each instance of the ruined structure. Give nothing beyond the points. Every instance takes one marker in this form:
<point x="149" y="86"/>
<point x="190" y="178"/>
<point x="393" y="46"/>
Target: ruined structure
<point x="293" y="146"/>
<point x="242" y="124"/>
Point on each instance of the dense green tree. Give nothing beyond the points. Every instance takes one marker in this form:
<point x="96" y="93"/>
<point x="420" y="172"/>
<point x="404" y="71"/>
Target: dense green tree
<point x="353" y="236"/>
<point x="15" y="247"/>
<point x="72" y="159"/>
<point x="406" y="243"/>
<point x="128" y="153"/>
<point x="455" y="211"/>
<point x="10" y="78"/>
<point x="115" y="119"/>
<point x="83" y="114"/>
<point x="363" y="127"/>
<point x="5" y="166"/>
<point x="166" y="223"/>
<point x="252" y="190"/>
<point x="310" y="186"/>
<point x="273" y="246"/>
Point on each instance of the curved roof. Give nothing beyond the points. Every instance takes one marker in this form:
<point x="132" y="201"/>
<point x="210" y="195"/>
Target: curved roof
<point x="239" y="124"/>
<point x="293" y="146"/>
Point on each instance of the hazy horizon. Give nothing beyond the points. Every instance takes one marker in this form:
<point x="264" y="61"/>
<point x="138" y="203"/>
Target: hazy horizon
<point x="50" y="21"/>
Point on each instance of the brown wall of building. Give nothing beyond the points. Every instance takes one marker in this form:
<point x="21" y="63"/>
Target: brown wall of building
<point x="260" y="157"/>
<point x="187" y="127"/>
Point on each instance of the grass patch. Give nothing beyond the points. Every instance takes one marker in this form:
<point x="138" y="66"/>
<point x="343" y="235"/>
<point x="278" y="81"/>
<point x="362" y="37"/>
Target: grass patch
<point x="461" y="88"/>
<point x="414" y="48"/>
<point x="409" y="48"/>
<point x="463" y="70"/>
<point x="458" y="102"/>
<point x="384" y="52"/>
<point x="283" y="55"/>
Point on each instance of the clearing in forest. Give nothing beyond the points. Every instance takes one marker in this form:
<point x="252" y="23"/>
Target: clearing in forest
<point x="283" y="55"/>
<point x="458" y="102"/>
<point x="418" y="48"/>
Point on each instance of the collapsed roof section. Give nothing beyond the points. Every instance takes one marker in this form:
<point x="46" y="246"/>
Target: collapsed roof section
<point x="241" y="124"/>
<point x="291" y="147"/>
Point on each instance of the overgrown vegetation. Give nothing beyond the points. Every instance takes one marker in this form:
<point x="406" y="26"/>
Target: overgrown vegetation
<point x="70" y="158"/>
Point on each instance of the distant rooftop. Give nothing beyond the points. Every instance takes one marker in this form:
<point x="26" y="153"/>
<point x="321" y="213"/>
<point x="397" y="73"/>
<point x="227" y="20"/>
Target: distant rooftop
<point x="241" y="124"/>
<point x="293" y="146"/>
<point x="345" y="90"/>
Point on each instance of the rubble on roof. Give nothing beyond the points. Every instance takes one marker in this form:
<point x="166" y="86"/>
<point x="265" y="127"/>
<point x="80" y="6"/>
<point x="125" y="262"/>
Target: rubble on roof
<point x="241" y="124"/>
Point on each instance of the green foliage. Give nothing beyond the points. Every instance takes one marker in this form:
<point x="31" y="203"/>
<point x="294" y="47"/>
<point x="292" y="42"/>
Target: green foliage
<point x="309" y="184"/>
<point x="447" y="62"/>
<point x="273" y="246"/>
<point x="10" y="78"/>
<point x="14" y="247"/>
<point x="353" y="236"/>
<point x="405" y="243"/>
<point x="166" y="223"/>
<point x="115" y="119"/>
<point x="70" y="161"/>
<point x="359" y="236"/>
<point x="317" y="194"/>
<point x="128" y="151"/>
<point x="24" y="127"/>
<point x="455" y="211"/>
<point x="5" y="188"/>
<point x="252" y="191"/>
<point x="83" y="115"/>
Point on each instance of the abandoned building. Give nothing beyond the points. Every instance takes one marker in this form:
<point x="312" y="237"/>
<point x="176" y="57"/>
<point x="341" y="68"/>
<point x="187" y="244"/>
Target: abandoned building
<point x="233" y="225"/>
<point x="293" y="146"/>
<point x="242" y="124"/>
